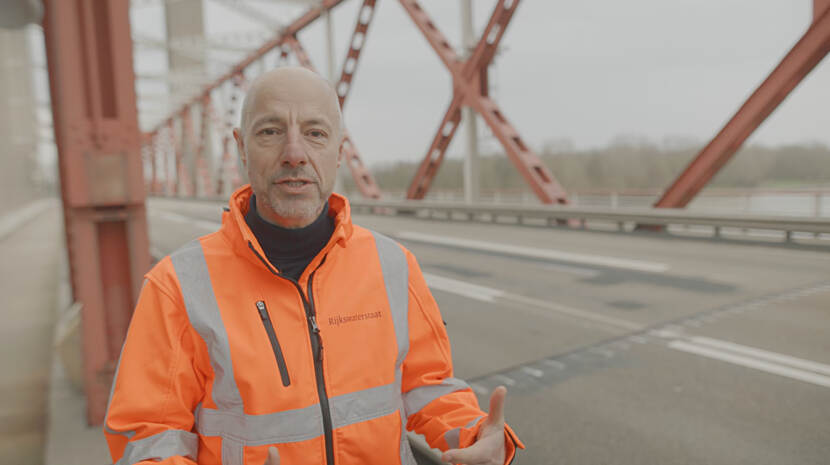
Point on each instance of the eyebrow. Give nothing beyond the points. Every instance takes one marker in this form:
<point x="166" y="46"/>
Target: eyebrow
<point x="317" y="122"/>
<point x="280" y="120"/>
<point x="267" y="119"/>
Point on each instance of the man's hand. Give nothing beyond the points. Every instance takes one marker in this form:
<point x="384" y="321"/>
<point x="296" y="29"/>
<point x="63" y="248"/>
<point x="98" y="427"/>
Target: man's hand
<point x="273" y="457"/>
<point x="489" y="446"/>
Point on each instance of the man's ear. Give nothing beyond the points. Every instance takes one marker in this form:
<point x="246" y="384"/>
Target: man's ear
<point x="341" y="151"/>
<point x="240" y="146"/>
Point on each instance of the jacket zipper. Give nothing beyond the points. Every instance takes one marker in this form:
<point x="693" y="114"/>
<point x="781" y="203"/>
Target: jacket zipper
<point x="316" y="348"/>
<point x="318" y="368"/>
<point x="275" y="344"/>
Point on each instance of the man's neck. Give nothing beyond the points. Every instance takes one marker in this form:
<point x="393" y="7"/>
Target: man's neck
<point x="290" y="250"/>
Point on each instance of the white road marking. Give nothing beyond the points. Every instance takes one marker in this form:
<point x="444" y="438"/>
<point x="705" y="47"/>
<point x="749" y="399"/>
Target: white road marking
<point x="750" y="362"/>
<point x="534" y="252"/>
<point x="764" y="355"/>
<point x="533" y="372"/>
<point x="505" y="380"/>
<point x="464" y="289"/>
<point x="554" y="364"/>
<point x="526" y="304"/>
<point x="604" y="352"/>
<point x="575" y="270"/>
<point x="615" y="323"/>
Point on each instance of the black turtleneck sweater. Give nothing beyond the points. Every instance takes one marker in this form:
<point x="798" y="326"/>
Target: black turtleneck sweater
<point x="290" y="250"/>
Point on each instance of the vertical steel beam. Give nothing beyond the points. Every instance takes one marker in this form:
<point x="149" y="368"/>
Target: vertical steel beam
<point x="804" y="56"/>
<point x="228" y="166"/>
<point x="472" y="173"/>
<point x="189" y="154"/>
<point x="205" y="138"/>
<point x="89" y="54"/>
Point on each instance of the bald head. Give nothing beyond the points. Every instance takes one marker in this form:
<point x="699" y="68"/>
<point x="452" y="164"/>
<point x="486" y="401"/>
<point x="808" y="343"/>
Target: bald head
<point x="293" y="84"/>
<point x="290" y="140"/>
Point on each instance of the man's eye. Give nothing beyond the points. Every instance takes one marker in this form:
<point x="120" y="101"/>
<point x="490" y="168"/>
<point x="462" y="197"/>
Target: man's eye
<point x="316" y="133"/>
<point x="269" y="131"/>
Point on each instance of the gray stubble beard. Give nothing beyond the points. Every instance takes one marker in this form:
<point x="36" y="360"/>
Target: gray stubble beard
<point x="296" y="207"/>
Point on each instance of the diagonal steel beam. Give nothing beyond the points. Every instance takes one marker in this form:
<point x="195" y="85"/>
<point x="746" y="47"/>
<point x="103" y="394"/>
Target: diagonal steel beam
<point x="361" y="175"/>
<point x="290" y="30"/>
<point x="358" y="40"/>
<point x="470" y="87"/>
<point x="438" y="148"/>
<point x="802" y="58"/>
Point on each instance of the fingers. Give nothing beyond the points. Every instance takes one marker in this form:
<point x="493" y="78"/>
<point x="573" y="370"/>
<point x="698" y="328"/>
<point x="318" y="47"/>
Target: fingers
<point x="273" y="456"/>
<point x="467" y="456"/>
<point x="496" y="414"/>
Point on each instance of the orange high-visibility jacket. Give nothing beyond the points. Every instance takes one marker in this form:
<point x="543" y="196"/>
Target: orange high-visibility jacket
<point x="224" y="357"/>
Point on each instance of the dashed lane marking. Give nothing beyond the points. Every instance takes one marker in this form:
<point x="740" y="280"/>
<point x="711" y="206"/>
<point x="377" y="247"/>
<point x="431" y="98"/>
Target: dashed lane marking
<point x="672" y="335"/>
<point x="535" y="372"/>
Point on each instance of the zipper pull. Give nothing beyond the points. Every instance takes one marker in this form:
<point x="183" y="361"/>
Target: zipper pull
<point x="314" y="326"/>
<point x="263" y="313"/>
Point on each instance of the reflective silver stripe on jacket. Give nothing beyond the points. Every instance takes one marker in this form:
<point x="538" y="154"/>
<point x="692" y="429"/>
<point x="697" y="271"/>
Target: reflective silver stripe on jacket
<point x="239" y="429"/>
<point x="299" y="424"/>
<point x="203" y="311"/>
<point x="453" y="436"/>
<point x="395" y="271"/>
<point x="160" y="446"/>
<point x="418" y="398"/>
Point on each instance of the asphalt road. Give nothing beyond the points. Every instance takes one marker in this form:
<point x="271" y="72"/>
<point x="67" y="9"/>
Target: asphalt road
<point x="622" y="348"/>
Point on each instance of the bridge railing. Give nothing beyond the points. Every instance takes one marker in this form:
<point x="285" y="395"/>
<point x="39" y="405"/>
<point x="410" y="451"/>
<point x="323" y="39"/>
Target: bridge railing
<point x="622" y="219"/>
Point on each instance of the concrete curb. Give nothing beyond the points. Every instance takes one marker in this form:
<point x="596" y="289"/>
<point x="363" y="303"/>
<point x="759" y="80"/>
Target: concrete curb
<point x="69" y="439"/>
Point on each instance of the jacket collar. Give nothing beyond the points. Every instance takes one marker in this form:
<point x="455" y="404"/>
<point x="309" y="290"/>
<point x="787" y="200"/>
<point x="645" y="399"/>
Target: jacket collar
<point x="242" y="240"/>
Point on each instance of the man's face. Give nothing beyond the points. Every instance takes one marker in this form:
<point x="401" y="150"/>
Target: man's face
<point x="290" y="143"/>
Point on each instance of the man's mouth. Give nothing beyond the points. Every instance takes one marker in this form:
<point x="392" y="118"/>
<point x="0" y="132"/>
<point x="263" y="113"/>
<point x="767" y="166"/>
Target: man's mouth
<point x="294" y="182"/>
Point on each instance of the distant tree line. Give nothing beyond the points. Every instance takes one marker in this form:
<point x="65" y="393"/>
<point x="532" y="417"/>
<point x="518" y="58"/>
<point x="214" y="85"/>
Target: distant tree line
<point x="628" y="164"/>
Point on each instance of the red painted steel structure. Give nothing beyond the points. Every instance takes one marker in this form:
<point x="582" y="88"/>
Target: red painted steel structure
<point x="359" y="171"/>
<point x="91" y="81"/>
<point x="358" y="40"/>
<point x="470" y="89"/>
<point x="802" y="58"/>
<point x="236" y="79"/>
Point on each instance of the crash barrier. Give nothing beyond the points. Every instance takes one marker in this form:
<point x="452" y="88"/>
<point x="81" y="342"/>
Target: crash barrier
<point x="625" y="219"/>
<point x="667" y="220"/>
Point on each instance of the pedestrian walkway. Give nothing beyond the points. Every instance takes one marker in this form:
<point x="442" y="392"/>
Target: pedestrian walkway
<point x="31" y="241"/>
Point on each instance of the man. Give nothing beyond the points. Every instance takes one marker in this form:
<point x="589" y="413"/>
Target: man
<point x="291" y="335"/>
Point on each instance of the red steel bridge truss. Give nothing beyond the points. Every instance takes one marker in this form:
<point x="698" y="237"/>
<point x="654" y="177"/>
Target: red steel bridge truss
<point x="104" y="160"/>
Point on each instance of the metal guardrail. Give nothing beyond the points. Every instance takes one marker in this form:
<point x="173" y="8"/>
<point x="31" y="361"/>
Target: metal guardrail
<point x="625" y="219"/>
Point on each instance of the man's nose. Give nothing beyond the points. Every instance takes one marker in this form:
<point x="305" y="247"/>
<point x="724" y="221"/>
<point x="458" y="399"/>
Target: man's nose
<point x="293" y="151"/>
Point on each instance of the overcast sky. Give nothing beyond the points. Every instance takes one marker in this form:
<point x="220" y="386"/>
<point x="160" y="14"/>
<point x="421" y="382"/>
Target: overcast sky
<point x="583" y="72"/>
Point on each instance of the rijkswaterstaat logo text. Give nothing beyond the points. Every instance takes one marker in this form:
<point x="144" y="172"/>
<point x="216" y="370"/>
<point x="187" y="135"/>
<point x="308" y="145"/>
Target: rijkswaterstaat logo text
<point x="337" y="320"/>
